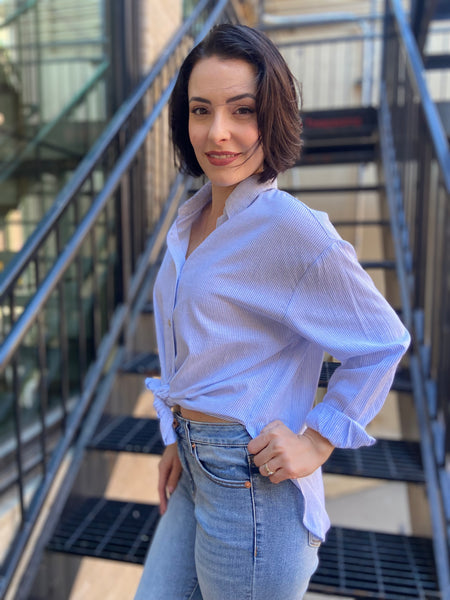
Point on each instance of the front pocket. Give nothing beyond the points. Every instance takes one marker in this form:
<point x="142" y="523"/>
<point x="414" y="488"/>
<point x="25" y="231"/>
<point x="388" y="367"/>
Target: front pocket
<point x="228" y="466"/>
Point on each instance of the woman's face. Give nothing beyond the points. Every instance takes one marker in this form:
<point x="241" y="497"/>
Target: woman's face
<point x="223" y="127"/>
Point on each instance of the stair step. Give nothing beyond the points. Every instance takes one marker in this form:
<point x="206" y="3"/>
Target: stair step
<point x="378" y="264"/>
<point x="360" y="564"/>
<point x="394" y="460"/>
<point x="349" y="189"/>
<point x="360" y="223"/>
<point x="339" y="154"/>
<point x="147" y="364"/>
<point x="103" y="528"/>
<point x="401" y="383"/>
<point x="143" y="363"/>
<point x="148" y="308"/>
<point x="368" y="564"/>
<point x="344" y="123"/>
<point x="127" y="434"/>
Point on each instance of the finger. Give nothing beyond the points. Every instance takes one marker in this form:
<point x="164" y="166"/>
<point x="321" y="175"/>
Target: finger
<point x="269" y="468"/>
<point x="174" y="476"/>
<point x="164" y="473"/>
<point x="272" y="425"/>
<point x="162" y="493"/>
<point x="259" y="442"/>
<point x="263" y="439"/>
<point x="278" y="476"/>
<point x="162" y="503"/>
<point x="262" y="457"/>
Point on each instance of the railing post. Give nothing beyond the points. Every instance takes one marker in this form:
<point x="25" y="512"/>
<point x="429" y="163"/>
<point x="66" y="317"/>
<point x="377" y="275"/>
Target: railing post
<point x="125" y="254"/>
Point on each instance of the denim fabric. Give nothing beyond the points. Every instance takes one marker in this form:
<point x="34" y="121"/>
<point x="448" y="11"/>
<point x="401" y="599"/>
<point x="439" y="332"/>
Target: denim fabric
<point x="228" y="531"/>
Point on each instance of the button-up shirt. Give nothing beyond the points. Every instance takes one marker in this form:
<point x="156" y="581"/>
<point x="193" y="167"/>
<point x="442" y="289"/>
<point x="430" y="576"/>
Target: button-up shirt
<point x="242" y="325"/>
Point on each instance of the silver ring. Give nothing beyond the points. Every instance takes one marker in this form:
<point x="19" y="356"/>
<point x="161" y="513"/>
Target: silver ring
<point x="268" y="471"/>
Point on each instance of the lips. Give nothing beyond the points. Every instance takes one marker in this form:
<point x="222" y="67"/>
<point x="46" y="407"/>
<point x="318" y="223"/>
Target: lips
<point x="221" y="159"/>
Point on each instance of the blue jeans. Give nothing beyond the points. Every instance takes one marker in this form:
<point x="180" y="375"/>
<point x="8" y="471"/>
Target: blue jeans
<point x="228" y="532"/>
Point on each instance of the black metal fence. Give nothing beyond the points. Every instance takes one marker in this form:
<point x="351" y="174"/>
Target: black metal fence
<point x="66" y="298"/>
<point x="417" y="166"/>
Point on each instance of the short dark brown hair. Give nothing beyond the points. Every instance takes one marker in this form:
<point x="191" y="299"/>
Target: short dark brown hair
<point x="277" y="100"/>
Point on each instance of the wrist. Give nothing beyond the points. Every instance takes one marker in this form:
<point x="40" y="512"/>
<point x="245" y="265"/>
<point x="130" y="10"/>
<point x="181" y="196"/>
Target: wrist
<point x="322" y="444"/>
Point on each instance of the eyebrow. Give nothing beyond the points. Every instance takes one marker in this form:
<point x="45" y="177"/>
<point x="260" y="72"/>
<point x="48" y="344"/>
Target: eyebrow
<point x="229" y="101"/>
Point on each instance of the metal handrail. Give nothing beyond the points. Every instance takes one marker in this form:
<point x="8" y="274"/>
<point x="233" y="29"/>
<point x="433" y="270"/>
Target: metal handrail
<point x="9" y="169"/>
<point x="84" y="169"/>
<point x="64" y="260"/>
<point x="415" y="67"/>
<point x="416" y="160"/>
<point x="93" y="379"/>
<point x="120" y="174"/>
<point x="20" y="11"/>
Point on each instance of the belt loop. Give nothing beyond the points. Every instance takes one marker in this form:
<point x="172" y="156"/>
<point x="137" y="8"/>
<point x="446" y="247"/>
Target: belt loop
<point x="188" y="433"/>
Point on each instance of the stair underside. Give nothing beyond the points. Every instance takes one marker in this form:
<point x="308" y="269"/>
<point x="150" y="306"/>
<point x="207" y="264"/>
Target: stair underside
<point x="356" y="563"/>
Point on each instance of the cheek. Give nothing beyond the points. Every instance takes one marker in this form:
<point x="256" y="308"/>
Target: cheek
<point x="195" y="136"/>
<point x="251" y="134"/>
<point x="196" y="131"/>
<point x="191" y="132"/>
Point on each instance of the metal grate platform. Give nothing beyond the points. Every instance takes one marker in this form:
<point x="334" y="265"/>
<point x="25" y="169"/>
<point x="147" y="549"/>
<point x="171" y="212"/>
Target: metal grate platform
<point x="367" y="564"/>
<point x="127" y="434"/>
<point x="395" y="460"/>
<point x="103" y="528"/>
<point x="359" y="564"/>
<point x="388" y="459"/>
<point x="401" y="383"/>
<point x="378" y="264"/>
<point x="144" y="363"/>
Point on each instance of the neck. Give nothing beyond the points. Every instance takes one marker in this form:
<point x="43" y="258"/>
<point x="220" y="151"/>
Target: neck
<point x="219" y="196"/>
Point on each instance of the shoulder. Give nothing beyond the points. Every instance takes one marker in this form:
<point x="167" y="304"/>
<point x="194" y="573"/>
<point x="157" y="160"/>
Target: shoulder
<point x="292" y="217"/>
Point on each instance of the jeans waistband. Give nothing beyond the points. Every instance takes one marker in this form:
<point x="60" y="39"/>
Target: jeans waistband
<point x="211" y="433"/>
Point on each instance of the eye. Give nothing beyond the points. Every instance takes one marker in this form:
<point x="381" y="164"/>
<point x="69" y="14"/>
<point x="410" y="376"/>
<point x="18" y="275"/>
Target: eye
<point x="245" y="110"/>
<point x="199" y="110"/>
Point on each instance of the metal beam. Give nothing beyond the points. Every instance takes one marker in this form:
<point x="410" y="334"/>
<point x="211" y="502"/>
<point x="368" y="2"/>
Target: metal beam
<point x="422" y="14"/>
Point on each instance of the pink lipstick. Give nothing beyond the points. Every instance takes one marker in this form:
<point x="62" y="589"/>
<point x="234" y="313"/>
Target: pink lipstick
<point x="221" y="159"/>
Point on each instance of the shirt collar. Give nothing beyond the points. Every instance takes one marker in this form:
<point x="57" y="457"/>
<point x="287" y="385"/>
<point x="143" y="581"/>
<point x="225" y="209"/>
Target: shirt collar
<point x="240" y="198"/>
<point x="245" y="193"/>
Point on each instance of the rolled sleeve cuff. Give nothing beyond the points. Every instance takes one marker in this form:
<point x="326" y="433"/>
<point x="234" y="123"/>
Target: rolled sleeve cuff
<point x="338" y="428"/>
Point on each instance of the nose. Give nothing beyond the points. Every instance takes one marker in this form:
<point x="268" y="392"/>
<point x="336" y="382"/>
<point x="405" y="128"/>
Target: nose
<point x="219" y="129"/>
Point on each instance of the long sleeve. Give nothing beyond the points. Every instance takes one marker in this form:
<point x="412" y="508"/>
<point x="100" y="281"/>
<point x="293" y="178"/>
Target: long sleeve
<point x="243" y="323"/>
<point x="337" y="307"/>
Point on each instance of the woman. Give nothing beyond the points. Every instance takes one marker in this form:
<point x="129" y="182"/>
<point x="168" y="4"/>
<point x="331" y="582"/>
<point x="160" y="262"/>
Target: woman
<point x="253" y="289"/>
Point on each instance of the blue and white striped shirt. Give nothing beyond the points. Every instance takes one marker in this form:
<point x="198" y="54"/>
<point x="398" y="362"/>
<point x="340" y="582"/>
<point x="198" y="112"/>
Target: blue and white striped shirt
<point x="242" y="325"/>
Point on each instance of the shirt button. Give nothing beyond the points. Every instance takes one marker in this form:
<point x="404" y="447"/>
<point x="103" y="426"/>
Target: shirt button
<point x="169" y="322"/>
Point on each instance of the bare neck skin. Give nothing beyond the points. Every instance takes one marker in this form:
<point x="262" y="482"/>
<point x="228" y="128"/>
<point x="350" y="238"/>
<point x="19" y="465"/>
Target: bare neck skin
<point x="206" y="222"/>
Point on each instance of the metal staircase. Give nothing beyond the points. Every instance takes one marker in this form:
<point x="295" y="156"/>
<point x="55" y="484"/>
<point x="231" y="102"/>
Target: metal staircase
<point x="55" y="71"/>
<point x="119" y="349"/>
